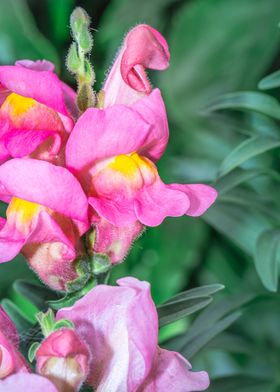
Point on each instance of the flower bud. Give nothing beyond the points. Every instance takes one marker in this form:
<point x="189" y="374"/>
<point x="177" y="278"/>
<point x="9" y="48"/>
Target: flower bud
<point x="64" y="359"/>
<point x="73" y="62"/>
<point x="79" y="19"/>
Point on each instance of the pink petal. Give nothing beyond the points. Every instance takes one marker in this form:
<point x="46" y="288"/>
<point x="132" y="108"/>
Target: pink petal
<point x="28" y="383"/>
<point x="97" y="135"/>
<point x="157" y="201"/>
<point x="144" y="47"/>
<point x="152" y="109"/>
<point x="7" y="326"/>
<point x="201" y="197"/>
<point x="20" y="143"/>
<point x="44" y="86"/>
<point x="172" y="373"/>
<point x="46" y="184"/>
<point x="119" y="212"/>
<point x="39" y="65"/>
<point x="120" y="327"/>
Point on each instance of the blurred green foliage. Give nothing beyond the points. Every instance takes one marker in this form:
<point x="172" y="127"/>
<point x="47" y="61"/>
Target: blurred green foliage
<point x="217" y="136"/>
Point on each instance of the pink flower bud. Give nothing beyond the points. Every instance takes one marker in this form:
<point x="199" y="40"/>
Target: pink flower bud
<point x="64" y="359"/>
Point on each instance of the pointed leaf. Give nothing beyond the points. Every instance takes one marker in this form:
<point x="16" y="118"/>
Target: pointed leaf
<point x="246" y="150"/>
<point x="270" y="81"/>
<point x="246" y="101"/>
<point x="171" y="312"/>
<point x="196" y="292"/>
<point x="265" y="258"/>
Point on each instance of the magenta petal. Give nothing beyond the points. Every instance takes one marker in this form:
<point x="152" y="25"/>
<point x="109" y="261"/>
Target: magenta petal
<point x="157" y="201"/>
<point x="46" y="184"/>
<point x="39" y="65"/>
<point x="7" y="326"/>
<point x="172" y="373"/>
<point x="120" y="327"/>
<point x="152" y="109"/>
<point x="120" y="213"/>
<point x="143" y="47"/>
<point x="97" y="135"/>
<point x="44" y="86"/>
<point x="27" y="382"/>
<point x="20" y="143"/>
<point x="201" y="197"/>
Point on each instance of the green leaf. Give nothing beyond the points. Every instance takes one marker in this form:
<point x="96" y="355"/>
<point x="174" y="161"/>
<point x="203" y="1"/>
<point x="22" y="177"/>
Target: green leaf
<point x="246" y="101"/>
<point x="32" y="351"/>
<point x="175" y="311"/>
<point x="63" y="323"/>
<point x="197" y="292"/>
<point x="246" y="150"/>
<point x="207" y="63"/>
<point x="265" y="258"/>
<point x="239" y="176"/>
<point x="19" y="35"/>
<point x="218" y="310"/>
<point x="240" y="224"/>
<point x="270" y="81"/>
<point x="193" y="345"/>
<point x="240" y="383"/>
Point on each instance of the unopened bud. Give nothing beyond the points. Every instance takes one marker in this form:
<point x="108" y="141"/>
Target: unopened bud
<point x="85" y="40"/>
<point x="78" y="20"/>
<point x="73" y="61"/>
<point x="86" y="97"/>
<point x="64" y="359"/>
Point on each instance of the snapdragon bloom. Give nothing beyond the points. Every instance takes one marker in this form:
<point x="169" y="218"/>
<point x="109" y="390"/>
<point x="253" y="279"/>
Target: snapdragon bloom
<point x="11" y="361"/>
<point x="35" y="113"/>
<point x="109" y="178"/>
<point x="120" y="326"/>
<point x="46" y="215"/>
<point x="113" y="151"/>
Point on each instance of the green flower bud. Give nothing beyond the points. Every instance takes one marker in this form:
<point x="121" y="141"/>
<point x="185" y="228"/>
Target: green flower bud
<point x="78" y="20"/>
<point x="85" y="40"/>
<point x="73" y="61"/>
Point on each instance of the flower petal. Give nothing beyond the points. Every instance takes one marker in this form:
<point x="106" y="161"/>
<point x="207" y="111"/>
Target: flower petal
<point x="43" y="86"/>
<point x="7" y="326"/>
<point x="26" y="382"/>
<point x="172" y="373"/>
<point x="120" y="327"/>
<point x="97" y="135"/>
<point x="152" y="109"/>
<point x="20" y="143"/>
<point x="39" y="65"/>
<point x="46" y="184"/>
<point x="201" y="197"/>
<point x="144" y="47"/>
<point x="157" y="201"/>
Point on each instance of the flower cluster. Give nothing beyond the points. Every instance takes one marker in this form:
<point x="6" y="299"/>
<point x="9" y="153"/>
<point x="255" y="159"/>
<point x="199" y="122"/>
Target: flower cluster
<point x="113" y="346"/>
<point x="81" y="185"/>
<point x="64" y="176"/>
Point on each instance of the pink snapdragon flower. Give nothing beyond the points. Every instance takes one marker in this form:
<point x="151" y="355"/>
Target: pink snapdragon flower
<point x="11" y="361"/>
<point x="113" y="151"/>
<point x="120" y="326"/>
<point x="63" y="358"/>
<point x="36" y="111"/>
<point x="46" y="215"/>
